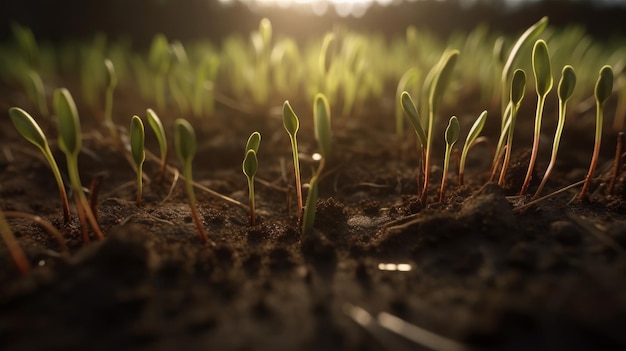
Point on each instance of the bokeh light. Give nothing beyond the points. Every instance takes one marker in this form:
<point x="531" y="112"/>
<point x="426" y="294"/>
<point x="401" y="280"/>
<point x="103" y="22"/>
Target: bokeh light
<point x="343" y="8"/>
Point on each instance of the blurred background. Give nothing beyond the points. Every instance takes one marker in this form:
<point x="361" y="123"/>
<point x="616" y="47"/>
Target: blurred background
<point x="213" y="19"/>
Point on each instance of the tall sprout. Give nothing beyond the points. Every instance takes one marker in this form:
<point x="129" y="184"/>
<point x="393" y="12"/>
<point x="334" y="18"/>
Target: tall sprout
<point x="292" y="124"/>
<point x="477" y="127"/>
<point x="602" y="92"/>
<point x="30" y="130"/>
<point x="412" y="114"/>
<point x="439" y="84"/>
<point x="518" y="88"/>
<point x="185" y="144"/>
<point x="565" y="91"/>
<point x="249" y="166"/>
<point x="137" y="138"/>
<point x="451" y="136"/>
<point x="70" y="143"/>
<point x="157" y="127"/>
<point x="544" y="82"/>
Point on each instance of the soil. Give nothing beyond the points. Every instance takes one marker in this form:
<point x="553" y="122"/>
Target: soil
<point x="483" y="272"/>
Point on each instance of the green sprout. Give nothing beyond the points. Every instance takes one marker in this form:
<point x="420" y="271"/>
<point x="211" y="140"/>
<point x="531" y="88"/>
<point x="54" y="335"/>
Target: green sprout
<point x="440" y="81"/>
<point x="36" y="92"/>
<point x="603" y="90"/>
<point x="408" y="79"/>
<point x="111" y="83"/>
<point x="321" y="122"/>
<point x="250" y="166"/>
<point x="137" y="139"/>
<point x="477" y="127"/>
<point x="518" y="88"/>
<point x="497" y="157"/>
<point x="70" y="143"/>
<point x="452" y="135"/>
<point x="565" y="91"/>
<point x="526" y="38"/>
<point x="30" y="130"/>
<point x="13" y="245"/>
<point x="544" y="82"/>
<point x="185" y="145"/>
<point x="413" y="116"/>
<point x="292" y="124"/>
<point x="157" y="127"/>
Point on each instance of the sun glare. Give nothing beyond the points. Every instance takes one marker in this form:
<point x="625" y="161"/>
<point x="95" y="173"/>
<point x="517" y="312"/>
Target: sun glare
<point x="343" y="8"/>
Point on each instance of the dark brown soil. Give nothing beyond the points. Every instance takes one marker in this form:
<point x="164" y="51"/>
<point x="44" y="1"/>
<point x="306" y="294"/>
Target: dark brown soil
<point x="552" y="277"/>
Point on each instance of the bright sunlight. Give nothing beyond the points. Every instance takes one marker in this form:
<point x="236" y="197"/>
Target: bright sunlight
<point x="343" y="8"/>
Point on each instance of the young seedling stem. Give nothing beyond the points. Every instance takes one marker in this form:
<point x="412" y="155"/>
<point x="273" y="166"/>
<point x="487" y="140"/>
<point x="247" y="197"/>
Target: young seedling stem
<point x="440" y="82"/>
<point x="565" y="91"/>
<point x="543" y="79"/>
<point x="108" y="107"/>
<point x="137" y="138"/>
<point x="250" y="166"/>
<point x="185" y="145"/>
<point x="603" y="90"/>
<point x="157" y="127"/>
<point x="452" y="135"/>
<point x="477" y="127"/>
<point x="292" y="124"/>
<point x="30" y="130"/>
<point x="70" y="143"/>
<point x="518" y="88"/>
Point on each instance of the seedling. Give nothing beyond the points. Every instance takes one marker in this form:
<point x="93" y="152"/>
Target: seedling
<point x="13" y="245"/>
<point x="185" y="145"/>
<point x="157" y="127"/>
<point x="137" y="138"/>
<point x="70" y="143"/>
<point x="111" y="83"/>
<point x="565" y="91"/>
<point x="518" y="88"/>
<point x="408" y="79"/>
<point x="250" y="166"/>
<point x="603" y="90"/>
<point x="30" y="130"/>
<point x="321" y="121"/>
<point x="452" y="135"/>
<point x="413" y="116"/>
<point x="292" y="124"/>
<point x="504" y="131"/>
<point x="36" y="92"/>
<point x="477" y="127"/>
<point x="440" y="82"/>
<point x="543" y="79"/>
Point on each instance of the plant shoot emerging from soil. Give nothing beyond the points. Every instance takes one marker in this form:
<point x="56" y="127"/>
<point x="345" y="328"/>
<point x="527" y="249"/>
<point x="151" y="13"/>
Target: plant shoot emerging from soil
<point x="565" y="91"/>
<point x="452" y="135"/>
<point x="250" y="166"/>
<point x="70" y="143"/>
<point x="137" y="138"/>
<point x="185" y="145"/>
<point x="292" y="124"/>
<point x="477" y="127"/>
<point x="518" y="88"/>
<point x="30" y="130"/>
<point x="157" y="127"/>
<point x="602" y="92"/>
<point x="543" y="79"/>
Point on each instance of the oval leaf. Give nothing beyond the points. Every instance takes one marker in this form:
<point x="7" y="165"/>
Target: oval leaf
<point x="26" y="125"/>
<point x="250" y="164"/>
<point x="518" y="86"/>
<point x="567" y="83"/>
<point x="111" y="76"/>
<point x="290" y="120"/>
<point x="321" y="121"/>
<point x="442" y="79"/>
<point x="452" y="131"/>
<point x="408" y="106"/>
<point x="477" y="127"/>
<point x="67" y="121"/>
<point x="254" y="141"/>
<point x="541" y="68"/>
<point x="157" y="127"/>
<point x="184" y="140"/>
<point x="604" y="85"/>
<point x="137" y="139"/>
